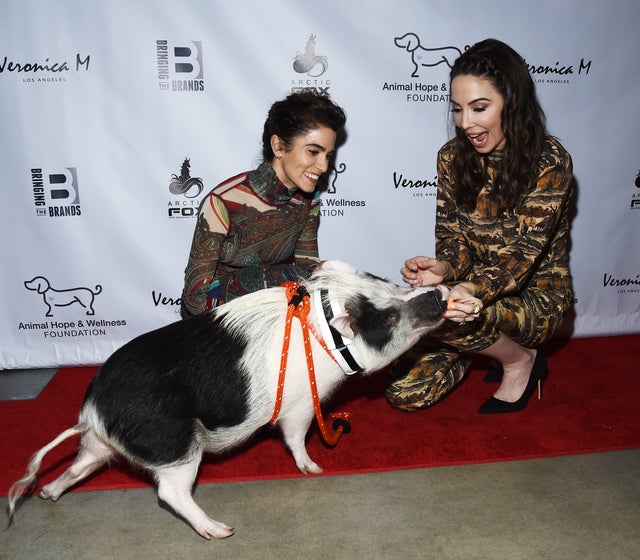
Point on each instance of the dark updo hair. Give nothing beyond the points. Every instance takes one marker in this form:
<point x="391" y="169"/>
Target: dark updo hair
<point x="523" y="125"/>
<point x="297" y="114"/>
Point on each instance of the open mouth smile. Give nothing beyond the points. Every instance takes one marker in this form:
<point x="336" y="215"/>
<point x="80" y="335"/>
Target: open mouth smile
<point x="312" y="176"/>
<point x="478" y="140"/>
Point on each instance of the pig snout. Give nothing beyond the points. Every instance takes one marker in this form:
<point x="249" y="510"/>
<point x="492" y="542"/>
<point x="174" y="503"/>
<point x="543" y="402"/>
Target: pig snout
<point x="429" y="307"/>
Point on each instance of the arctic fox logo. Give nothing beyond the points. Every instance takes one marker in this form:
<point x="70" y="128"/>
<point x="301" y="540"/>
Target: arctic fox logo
<point x="307" y="61"/>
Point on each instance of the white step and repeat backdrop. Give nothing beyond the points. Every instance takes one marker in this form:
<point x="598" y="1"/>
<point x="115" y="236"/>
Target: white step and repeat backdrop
<point x="101" y="101"/>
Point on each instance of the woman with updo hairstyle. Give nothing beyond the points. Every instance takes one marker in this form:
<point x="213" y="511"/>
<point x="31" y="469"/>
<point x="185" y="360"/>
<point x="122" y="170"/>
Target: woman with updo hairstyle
<point x="259" y="229"/>
<point x="502" y="239"/>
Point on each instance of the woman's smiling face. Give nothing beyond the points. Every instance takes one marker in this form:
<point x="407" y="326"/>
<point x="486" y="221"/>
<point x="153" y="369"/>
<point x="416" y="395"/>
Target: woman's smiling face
<point x="301" y="164"/>
<point x="477" y="111"/>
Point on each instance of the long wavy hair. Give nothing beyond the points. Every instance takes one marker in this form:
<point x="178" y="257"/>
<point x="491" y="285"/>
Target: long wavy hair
<point x="523" y="126"/>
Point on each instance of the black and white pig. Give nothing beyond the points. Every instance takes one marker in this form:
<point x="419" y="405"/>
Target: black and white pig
<point x="207" y="383"/>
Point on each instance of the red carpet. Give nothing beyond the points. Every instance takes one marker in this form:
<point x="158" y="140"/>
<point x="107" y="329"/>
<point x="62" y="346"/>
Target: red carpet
<point x="590" y="403"/>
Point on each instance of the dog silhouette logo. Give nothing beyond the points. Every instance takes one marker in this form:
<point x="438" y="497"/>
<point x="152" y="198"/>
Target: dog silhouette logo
<point x="426" y="57"/>
<point x="309" y="62"/>
<point x="63" y="298"/>
<point x="184" y="183"/>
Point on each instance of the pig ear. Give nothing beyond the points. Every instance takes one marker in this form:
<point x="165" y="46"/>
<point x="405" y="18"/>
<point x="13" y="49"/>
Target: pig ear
<point x="338" y="265"/>
<point x="343" y="325"/>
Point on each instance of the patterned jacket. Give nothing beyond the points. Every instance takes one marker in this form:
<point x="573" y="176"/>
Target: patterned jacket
<point x="252" y="233"/>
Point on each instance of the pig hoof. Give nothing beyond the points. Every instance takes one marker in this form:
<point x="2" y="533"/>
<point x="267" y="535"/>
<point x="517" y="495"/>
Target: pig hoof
<point x="44" y="494"/>
<point x="215" y="529"/>
<point x="311" y="468"/>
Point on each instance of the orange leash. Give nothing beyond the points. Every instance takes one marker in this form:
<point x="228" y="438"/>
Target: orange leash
<point x="299" y="305"/>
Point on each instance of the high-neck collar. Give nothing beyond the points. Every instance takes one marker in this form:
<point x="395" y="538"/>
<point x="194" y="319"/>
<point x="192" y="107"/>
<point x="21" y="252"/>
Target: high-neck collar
<point x="268" y="187"/>
<point x="493" y="156"/>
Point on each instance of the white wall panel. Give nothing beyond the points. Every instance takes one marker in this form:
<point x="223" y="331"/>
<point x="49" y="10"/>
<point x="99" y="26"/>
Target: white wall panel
<point x="81" y="90"/>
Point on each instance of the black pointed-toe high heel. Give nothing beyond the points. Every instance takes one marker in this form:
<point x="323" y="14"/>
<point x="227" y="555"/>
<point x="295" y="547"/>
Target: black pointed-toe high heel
<point x="537" y="376"/>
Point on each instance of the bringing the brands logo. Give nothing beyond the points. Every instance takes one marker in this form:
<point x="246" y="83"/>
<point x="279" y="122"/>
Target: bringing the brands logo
<point x="179" y="67"/>
<point x="55" y="194"/>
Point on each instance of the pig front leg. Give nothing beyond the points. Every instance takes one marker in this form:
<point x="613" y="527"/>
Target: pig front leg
<point x="174" y="488"/>
<point x="294" y="432"/>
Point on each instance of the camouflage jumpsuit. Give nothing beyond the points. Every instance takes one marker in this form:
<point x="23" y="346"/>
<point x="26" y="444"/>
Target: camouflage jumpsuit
<point x="519" y="263"/>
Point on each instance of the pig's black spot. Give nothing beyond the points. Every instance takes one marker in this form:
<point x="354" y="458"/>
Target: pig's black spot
<point x="373" y="324"/>
<point x="428" y="307"/>
<point x="152" y="392"/>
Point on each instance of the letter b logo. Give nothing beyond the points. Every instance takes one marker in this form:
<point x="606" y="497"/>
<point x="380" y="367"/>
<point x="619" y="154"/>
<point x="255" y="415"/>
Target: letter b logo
<point x="187" y="61"/>
<point x="63" y="187"/>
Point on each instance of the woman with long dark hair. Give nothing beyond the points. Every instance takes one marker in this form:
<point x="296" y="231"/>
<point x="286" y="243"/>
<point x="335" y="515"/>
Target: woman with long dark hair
<point x="502" y="237"/>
